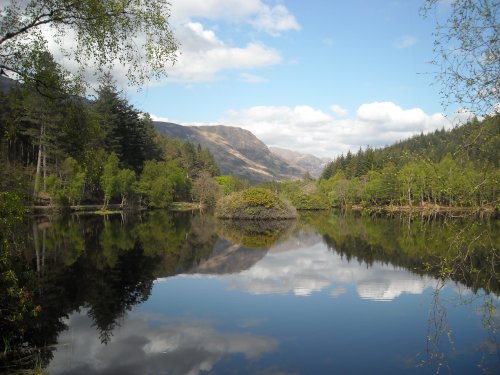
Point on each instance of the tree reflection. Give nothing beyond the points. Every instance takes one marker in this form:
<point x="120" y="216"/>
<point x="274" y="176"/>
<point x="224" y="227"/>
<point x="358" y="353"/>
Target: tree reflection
<point x="440" y="341"/>
<point x="107" y="265"/>
<point x="103" y="264"/>
<point x="459" y="250"/>
<point x="462" y="250"/>
<point x="255" y="233"/>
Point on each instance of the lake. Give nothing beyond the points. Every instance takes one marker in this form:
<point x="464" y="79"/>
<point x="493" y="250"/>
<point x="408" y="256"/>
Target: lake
<point x="329" y="293"/>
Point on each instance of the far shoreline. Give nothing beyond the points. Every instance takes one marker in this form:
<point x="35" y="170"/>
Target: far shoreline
<point x="421" y="210"/>
<point x="110" y="209"/>
<point x="430" y="210"/>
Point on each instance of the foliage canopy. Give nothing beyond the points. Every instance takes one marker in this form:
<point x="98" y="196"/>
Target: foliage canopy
<point x="133" y="33"/>
<point x="467" y="54"/>
<point x="254" y="204"/>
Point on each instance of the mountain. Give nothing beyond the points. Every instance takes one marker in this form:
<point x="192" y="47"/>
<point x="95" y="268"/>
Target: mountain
<point x="237" y="151"/>
<point x="227" y="258"/>
<point x="308" y="162"/>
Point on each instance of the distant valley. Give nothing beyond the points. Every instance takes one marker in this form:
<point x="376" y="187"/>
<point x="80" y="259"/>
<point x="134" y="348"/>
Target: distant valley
<point x="239" y="152"/>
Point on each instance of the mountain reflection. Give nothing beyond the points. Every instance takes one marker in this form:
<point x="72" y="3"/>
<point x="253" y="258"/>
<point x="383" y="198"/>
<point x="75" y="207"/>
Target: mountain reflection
<point x="229" y="258"/>
<point x="303" y="265"/>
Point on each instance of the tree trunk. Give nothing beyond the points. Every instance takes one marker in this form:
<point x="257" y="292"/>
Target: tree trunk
<point x="36" y="188"/>
<point x="36" y="244"/>
<point x="44" y="164"/>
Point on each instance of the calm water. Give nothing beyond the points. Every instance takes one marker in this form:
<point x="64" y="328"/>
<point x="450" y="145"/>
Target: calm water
<point x="328" y="294"/>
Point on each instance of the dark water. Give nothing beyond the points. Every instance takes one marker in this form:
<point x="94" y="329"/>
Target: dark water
<point x="327" y="294"/>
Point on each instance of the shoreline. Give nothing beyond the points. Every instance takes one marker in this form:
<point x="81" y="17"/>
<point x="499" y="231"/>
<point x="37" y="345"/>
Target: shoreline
<point x="425" y="210"/>
<point x="110" y="209"/>
<point x="430" y="210"/>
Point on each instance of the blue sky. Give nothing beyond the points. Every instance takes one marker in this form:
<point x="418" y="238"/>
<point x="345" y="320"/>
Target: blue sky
<point x="317" y="76"/>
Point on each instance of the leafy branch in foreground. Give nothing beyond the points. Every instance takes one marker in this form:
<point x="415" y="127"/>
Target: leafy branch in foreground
<point x="467" y="54"/>
<point x="90" y="33"/>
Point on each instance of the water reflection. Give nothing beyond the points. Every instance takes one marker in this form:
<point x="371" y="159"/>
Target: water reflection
<point x="91" y="273"/>
<point x="229" y="258"/>
<point x="149" y="344"/>
<point x="255" y="234"/>
<point x="303" y="265"/>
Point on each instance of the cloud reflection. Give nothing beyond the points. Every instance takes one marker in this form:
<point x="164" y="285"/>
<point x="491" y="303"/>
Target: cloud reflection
<point x="146" y="346"/>
<point x="304" y="265"/>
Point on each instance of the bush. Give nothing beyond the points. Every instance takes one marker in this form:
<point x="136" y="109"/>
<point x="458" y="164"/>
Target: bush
<point x="254" y="204"/>
<point x="315" y="201"/>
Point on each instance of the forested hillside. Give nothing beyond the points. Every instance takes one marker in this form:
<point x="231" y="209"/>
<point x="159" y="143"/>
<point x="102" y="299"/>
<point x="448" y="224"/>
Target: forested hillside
<point x="58" y="147"/>
<point x="458" y="167"/>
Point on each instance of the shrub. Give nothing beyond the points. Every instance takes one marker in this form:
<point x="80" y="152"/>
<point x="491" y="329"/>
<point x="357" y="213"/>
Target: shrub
<point x="254" y="204"/>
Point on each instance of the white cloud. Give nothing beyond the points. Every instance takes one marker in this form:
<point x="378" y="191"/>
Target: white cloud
<point x="338" y="110"/>
<point x="261" y="16"/>
<point x="204" y="55"/>
<point x="309" y="130"/>
<point x="159" y="118"/>
<point x="274" y="20"/>
<point x="392" y="117"/>
<point x="405" y="41"/>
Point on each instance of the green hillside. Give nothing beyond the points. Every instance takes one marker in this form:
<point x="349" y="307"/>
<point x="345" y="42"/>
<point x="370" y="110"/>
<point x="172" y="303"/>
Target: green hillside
<point x="457" y="167"/>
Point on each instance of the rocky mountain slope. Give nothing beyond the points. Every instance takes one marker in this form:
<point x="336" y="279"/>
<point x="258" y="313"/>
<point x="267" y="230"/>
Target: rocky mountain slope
<point x="308" y="162"/>
<point x="237" y="151"/>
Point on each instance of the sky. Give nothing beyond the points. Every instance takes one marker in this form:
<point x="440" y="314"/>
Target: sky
<point x="318" y="76"/>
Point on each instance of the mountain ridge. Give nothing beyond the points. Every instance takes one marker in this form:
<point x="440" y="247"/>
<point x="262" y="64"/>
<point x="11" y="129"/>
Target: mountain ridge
<point x="237" y="151"/>
<point x="308" y="162"/>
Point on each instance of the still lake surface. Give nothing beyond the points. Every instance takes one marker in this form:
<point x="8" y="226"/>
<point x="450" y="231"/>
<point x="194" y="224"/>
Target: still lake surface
<point x="162" y="293"/>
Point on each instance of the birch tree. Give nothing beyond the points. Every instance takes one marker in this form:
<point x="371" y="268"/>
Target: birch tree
<point x="89" y="33"/>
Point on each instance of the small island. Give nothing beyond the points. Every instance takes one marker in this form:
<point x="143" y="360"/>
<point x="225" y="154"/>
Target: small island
<point x="255" y="204"/>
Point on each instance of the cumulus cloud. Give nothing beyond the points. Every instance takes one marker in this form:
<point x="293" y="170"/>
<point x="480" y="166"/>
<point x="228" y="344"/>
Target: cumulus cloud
<point x="204" y="55"/>
<point x="405" y="41"/>
<point x="271" y="19"/>
<point x="310" y="130"/>
<point x="274" y="20"/>
<point x="338" y="110"/>
<point x="151" y="345"/>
